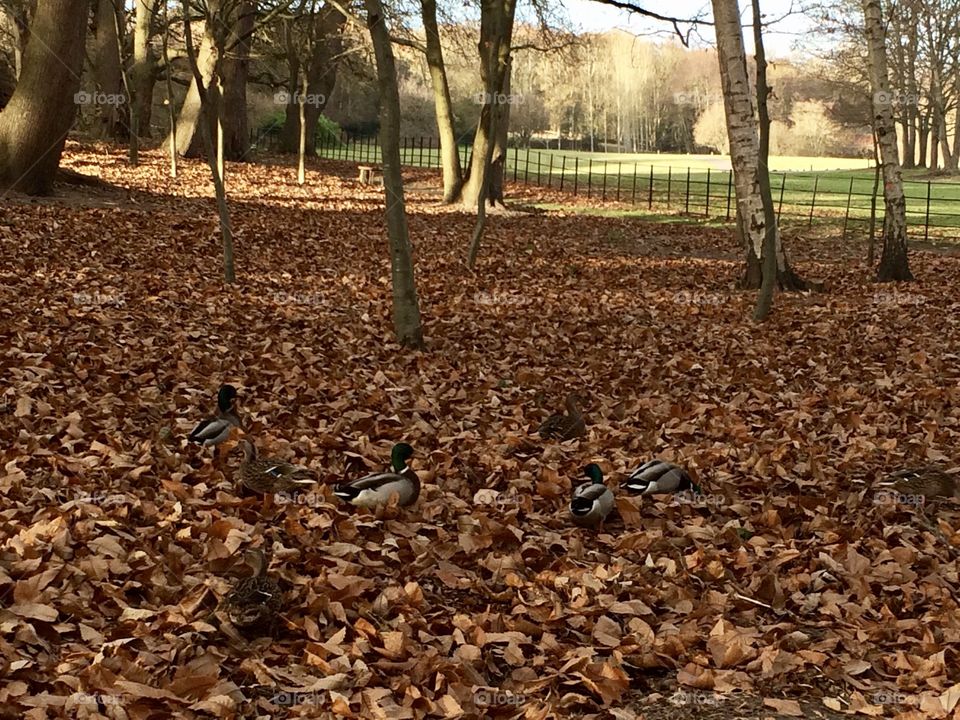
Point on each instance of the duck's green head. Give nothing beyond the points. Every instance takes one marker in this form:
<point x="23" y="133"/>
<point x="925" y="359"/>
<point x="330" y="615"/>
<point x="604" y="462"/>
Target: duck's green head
<point x="226" y="397"/>
<point x="594" y="472"/>
<point x="399" y="456"/>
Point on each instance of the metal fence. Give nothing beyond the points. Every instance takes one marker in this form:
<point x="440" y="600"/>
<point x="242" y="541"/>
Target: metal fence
<point x="846" y="197"/>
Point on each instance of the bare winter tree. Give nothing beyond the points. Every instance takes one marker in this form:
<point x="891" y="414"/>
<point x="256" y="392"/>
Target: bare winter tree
<point x="312" y="42"/>
<point x="769" y="267"/>
<point x="745" y="148"/>
<point x="496" y="33"/>
<point x="209" y="100"/>
<point x="894" y="264"/>
<point x="406" y="308"/>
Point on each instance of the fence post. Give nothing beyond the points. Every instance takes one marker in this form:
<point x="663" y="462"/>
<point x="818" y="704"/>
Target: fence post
<point x="550" y="173"/>
<point x="926" y="220"/>
<point x="846" y="215"/>
<point x="650" y="190"/>
<point x="576" y="175"/>
<point x="589" y="175"/>
<point x="669" y="184"/>
<point x="686" y="202"/>
<point x="538" y="168"/>
<point x="706" y="211"/>
<point x="783" y="183"/>
<point x="633" y="193"/>
<point x="619" y="172"/>
<point x="516" y="162"/>
<point x="729" y="192"/>
<point x="604" y="192"/>
<point x="813" y="200"/>
<point x="526" y="167"/>
<point x="420" y="164"/>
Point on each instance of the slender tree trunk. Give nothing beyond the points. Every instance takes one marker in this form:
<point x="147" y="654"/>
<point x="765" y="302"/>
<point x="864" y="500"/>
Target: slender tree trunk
<point x="487" y="160"/>
<point x="911" y="101"/>
<point x="877" y="166"/>
<point x="406" y="308"/>
<point x="302" y="155"/>
<point x="496" y="27"/>
<point x="188" y="142"/>
<point x="209" y="103"/>
<point x="745" y="148"/>
<point x="922" y="133"/>
<point x="765" y="296"/>
<point x="934" y="140"/>
<point x="34" y="124"/>
<point x="894" y="264"/>
<point x="449" y="154"/>
<point x="171" y="114"/>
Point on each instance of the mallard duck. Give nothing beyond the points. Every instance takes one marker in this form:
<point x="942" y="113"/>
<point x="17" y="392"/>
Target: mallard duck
<point x="215" y="430"/>
<point x="256" y="600"/>
<point x="565" y="427"/>
<point x="592" y="501"/>
<point x="270" y="475"/>
<point x="659" y="477"/>
<point x="374" y="490"/>
<point x="931" y="481"/>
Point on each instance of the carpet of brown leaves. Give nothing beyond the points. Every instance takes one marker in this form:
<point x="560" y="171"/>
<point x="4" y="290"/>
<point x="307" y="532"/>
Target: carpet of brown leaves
<point x="785" y="591"/>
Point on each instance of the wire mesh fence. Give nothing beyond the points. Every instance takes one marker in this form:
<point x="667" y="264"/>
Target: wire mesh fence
<point x="846" y="197"/>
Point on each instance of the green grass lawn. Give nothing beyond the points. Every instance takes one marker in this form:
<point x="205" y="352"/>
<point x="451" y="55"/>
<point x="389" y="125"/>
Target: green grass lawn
<point x="701" y="185"/>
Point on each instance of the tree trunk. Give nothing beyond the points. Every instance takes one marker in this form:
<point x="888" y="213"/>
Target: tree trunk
<point x="894" y="263"/>
<point x="954" y="163"/>
<point x="321" y="68"/>
<point x="107" y="72"/>
<point x="877" y="165"/>
<point x="911" y="101"/>
<point x="143" y="72"/>
<point x="168" y="81"/>
<point x="449" y="153"/>
<point x="922" y="133"/>
<point x="189" y="143"/>
<point x="235" y="67"/>
<point x="209" y="107"/>
<point x="496" y="29"/>
<point x="934" y="140"/>
<point x="769" y="269"/>
<point x="34" y="124"/>
<point x="302" y="154"/>
<point x="406" y="308"/>
<point x="486" y="160"/>
<point x="745" y="148"/>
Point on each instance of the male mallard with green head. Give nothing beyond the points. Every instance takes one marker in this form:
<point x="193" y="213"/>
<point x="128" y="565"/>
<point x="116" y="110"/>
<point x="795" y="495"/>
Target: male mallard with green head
<point x="658" y="477"/>
<point x="270" y="475"/>
<point x="565" y="426"/>
<point x="377" y="489"/>
<point x="255" y="601"/>
<point x="215" y="430"/>
<point x="931" y="481"/>
<point x="592" y="501"/>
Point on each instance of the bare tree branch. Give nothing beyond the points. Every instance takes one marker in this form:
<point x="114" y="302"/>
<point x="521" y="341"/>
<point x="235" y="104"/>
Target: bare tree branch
<point x="676" y="22"/>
